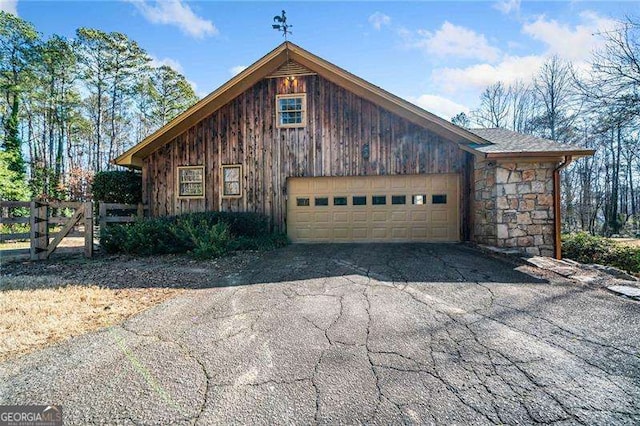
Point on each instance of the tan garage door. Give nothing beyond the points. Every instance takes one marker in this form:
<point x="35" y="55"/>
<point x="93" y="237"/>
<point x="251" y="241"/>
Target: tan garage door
<point x="374" y="208"/>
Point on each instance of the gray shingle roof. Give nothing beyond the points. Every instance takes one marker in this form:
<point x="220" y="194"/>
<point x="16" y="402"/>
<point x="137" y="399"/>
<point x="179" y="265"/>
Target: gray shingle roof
<point x="508" y="142"/>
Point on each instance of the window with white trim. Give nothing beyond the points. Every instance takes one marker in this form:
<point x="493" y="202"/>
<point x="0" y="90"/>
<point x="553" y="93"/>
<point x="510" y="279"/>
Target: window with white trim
<point x="291" y="110"/>
<point x="231" y="181"/>
<point x="191" y="182"/>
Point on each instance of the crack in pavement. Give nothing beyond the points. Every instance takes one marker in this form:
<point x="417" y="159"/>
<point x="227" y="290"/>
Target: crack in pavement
<point x="447" y="350"/>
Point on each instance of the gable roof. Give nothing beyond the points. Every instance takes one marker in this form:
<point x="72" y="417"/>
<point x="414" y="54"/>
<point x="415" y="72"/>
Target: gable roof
<point x="507" y="143"/>
<point x="269" y="63"/>
<point x="487" y="143"/>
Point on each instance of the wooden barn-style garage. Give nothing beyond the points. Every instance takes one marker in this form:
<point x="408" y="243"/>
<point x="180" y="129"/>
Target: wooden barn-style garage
<point x="330" y="157"/>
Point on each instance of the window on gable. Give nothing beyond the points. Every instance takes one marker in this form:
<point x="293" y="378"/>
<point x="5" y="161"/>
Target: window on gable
<point x="291" y="110"/>
<point x="231" y="185"/>
<point x="191" y="182"/>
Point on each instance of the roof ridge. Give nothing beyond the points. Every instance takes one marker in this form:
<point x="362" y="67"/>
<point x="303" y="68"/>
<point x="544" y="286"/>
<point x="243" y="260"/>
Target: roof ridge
<point x="263" y="67"/>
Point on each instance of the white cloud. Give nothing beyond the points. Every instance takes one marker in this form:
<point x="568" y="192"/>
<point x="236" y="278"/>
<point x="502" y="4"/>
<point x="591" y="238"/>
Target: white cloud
<point x="378" y="20"/>
<point x="177" y="13"/>
<point x="478" y="76"/>
<point x="157" y="62"/>
<point x="453" y="40"/>
<point x="9" y="6"/>
<point x="237" y="69"/>
<point x="199" y="93"/>
<point x="440" y="106"/>
<point x="507" y="6"/>
<point x="572" y="43"/>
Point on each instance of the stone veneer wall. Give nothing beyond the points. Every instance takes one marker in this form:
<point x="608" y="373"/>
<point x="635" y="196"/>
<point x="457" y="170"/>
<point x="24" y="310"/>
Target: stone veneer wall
<point x="514" y="206"/>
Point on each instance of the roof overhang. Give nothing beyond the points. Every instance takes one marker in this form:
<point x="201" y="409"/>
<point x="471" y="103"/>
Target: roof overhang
<point x="268" y="64"/>
<point x="529" y="155"/>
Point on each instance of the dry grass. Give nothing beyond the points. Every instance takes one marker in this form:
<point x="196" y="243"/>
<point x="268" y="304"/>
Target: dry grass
<point x="66" y="242"/>
<point x="631" y="242"/>
<point x="35" y="315"/>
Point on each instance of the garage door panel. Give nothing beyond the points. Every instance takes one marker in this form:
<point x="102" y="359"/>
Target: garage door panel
<point x="340" y="185"/>
<point x="399" y="216"/>
<point x="360" y="217"/>
<point x="359" y="233"/>
<point x="419" y="233"/>
<point x="418" y="215"/>
<point x="400" y="233"/>
<point x="379" y="233"/>
<point x="321" y="217"/>
<point x="341" y="233"/>
<point x="440" y="216"/>
<point x="379" y="216"/>
<point x="304" y="233"/>
<point x="357" y="184"/>
<point x="417" y="182"/>
<point x="322" y="186"/>
<point x="398" y="184"/>
<point x="439" y="183"/>
<point x="340" y="217"/>
<point x="304" y="218"/>
<point x="323" y="233"/>
<point x="394" y="216"/>
<point x="379" y="184"/>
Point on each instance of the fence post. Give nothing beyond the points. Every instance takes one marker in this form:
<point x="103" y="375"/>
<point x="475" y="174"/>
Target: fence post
<point x="88" y="229"/>
<point x="39" y="229"/>
<point x="140" y="211"/>
<point x="103" y="216"/>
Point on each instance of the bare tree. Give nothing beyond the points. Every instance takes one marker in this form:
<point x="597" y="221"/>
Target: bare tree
<point x="556" y="99"/>
<point x="494" y="107"/>
<point x="521" y="106"/>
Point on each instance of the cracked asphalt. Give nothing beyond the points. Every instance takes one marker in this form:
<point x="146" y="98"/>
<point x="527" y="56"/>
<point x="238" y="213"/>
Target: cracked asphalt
<point x="379" y="334"/>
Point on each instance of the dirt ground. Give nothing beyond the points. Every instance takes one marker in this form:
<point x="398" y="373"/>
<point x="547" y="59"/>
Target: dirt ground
<point x="348" y="334"/>
<point x="50" y="301"/>
<point x="124" y="271"/>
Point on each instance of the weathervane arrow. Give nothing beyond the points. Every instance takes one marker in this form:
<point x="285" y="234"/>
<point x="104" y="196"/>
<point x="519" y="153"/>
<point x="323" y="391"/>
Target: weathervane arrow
<point x="282" y="24"/>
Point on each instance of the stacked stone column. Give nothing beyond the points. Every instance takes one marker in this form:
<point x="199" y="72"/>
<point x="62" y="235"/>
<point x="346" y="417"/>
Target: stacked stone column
<point x="514" y="205"/>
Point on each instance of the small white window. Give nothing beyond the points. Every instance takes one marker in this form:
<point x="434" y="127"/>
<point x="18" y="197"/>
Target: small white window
<point x="191" y="182"/>
<point x="419" y="199"/>
<point x="231" y="181"/>
<point x="291" y="110"/>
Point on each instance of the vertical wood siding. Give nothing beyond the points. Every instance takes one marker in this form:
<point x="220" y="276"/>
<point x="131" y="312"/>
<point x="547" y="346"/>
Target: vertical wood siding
<point x="244" y="131"/>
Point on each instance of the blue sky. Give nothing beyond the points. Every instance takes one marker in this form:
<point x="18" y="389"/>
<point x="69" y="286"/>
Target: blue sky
<point x="439" y="55"/>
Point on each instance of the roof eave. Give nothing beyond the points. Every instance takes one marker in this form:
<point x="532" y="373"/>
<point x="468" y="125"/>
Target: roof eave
<point x="268" y="64"/>
<point x="542" y="154"/>
<point x="387" y="100"/>
<point x="199" y="109"/>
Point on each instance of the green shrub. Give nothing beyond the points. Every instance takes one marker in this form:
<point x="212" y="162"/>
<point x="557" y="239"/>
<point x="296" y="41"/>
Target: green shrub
<point x="586" y="248"/>
<point x="246" y="224"/>
<point x="147" y="236"/>
<point x="204" y="235"/>
<point x="14" y="228"/>
<point x="207" y="241"/>
<point x="114" y="238"/>
<point x="117" y="186"/>
<point x="263" y="242"/>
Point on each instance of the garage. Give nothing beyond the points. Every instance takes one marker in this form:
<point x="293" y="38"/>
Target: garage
<point x="398" y="208"/>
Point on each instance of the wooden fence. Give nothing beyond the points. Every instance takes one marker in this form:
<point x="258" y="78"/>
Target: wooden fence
<point x="13" y="213"/>
<point x="66" y="218"/>
<point x="120" y="213"/>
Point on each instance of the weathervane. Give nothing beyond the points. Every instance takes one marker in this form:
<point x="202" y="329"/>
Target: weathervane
<point x="282" y="24"/>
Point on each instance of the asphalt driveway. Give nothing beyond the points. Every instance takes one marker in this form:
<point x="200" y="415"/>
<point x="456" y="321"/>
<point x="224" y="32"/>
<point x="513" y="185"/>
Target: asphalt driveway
<point x="383" y="334"/>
